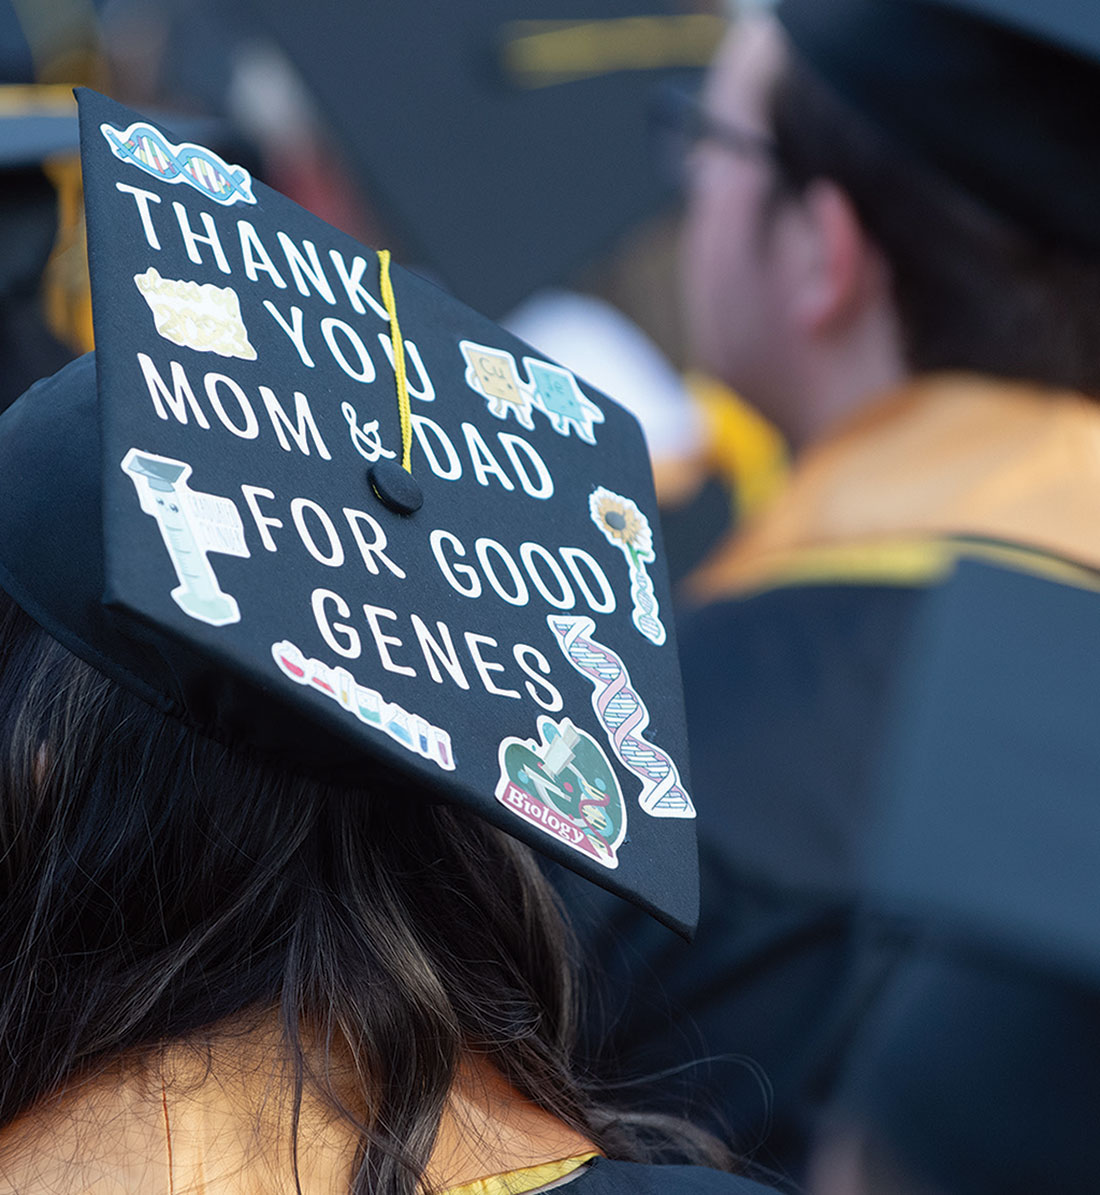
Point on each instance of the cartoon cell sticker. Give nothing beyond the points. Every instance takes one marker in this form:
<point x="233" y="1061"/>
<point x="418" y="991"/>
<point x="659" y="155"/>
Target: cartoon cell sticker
<point x="561" y="400"/>
<point x="492" y="373"/>
<point x="565" y="785"/>
<point x="626" y="528"/>
<point x="205" y="318"/>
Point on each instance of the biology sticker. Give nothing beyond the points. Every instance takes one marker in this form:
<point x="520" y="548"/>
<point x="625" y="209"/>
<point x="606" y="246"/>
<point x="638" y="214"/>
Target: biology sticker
<point x="564" y="784"/>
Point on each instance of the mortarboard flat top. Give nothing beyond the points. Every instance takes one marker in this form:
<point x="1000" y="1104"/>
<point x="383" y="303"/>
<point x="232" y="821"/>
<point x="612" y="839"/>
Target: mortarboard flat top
<point x="506" y="645"/>
<point x="990" y="93"/>
<point x="991" y="823"/>
<point x="505" y="142"/>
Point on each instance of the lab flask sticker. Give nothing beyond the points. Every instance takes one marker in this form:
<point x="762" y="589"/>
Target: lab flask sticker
<point x="626" y="528"/>
<point x="623" y="715"/>
<point x="205" y="318"/>
<point x="191" y="525"/>
<point x="564" y="785"/>
<point x="193" y="165"/>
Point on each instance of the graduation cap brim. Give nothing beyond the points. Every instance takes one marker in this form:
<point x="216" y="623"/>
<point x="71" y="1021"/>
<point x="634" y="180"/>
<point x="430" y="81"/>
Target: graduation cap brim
<point x="504" y="144"/>
<point x="990" y="826"/>
<point x="199" y="512"/>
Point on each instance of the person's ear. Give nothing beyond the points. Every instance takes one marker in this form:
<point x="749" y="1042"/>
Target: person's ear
<point x="839" y="269"/>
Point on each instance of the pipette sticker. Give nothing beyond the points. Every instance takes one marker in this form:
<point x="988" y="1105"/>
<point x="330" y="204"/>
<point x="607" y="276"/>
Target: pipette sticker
<point x="623" y="715"/>
<point x="205" y="318"/>
<point x="565" y="786"/>
<point x="411" y="731"/>
<point x="191" y="525"/>
<point x="626" y="528"/>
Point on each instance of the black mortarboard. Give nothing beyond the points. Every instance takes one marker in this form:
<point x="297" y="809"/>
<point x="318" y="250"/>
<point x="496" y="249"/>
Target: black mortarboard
<point x="228" y="531"/>
<point x="505" y="142"/>
<point x="990" y="820"/>
<point x="991" y="93"/>
<point x="979" y="1067"/>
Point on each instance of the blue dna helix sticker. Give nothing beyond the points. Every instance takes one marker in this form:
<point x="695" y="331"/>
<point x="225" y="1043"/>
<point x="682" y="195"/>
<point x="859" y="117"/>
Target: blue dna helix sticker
<point x="147" y="148"/>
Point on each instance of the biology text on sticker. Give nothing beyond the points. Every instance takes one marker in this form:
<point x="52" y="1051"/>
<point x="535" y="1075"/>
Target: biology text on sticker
<point x="565" y="786"/>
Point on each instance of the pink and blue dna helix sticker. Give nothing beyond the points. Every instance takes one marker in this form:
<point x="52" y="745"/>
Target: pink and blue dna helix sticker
<point x="147" y="148"/>
<point x="623" y="716"/>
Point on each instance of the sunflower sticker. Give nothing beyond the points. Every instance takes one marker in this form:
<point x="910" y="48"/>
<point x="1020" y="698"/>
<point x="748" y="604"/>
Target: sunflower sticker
<point x="626" y="528"/>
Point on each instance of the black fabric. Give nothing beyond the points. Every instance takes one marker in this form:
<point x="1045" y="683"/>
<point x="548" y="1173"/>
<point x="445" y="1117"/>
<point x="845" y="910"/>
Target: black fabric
<point x="604" y="1177"/>
<point x="974" y="1076"/>
<point x="787" y="692"/>
<point x="16" y="62"/>
<point x="988" y="820"/>
<point x="928" y="753"/>
<point x="992" y="93"/>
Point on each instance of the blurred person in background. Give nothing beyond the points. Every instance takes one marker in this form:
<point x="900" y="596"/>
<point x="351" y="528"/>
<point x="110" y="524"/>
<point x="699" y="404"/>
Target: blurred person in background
<point x="45" y="311"/>
<point x="892" y="250"/>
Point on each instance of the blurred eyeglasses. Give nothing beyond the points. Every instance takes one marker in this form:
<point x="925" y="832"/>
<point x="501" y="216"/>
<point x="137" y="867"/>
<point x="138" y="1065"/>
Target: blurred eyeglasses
<point x="679" y="123"/>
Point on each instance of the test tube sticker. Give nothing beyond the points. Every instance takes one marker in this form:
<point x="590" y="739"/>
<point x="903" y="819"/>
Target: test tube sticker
<point x="192" y="524"/>
<point x="408" y="729"/>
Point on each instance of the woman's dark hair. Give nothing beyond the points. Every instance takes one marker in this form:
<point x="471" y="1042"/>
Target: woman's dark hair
<point x="155" y="883"/>
<point x="973" y="291"/>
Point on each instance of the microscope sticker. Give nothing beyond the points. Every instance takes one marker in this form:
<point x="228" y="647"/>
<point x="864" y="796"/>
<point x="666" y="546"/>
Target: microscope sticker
<point x="492" y="373"/>
<point x="560" y="399"/>
<point x="409" y="730"/>
<point x="191" y="525"/>
<point x="626" y="528"/>
<point x="624" y="717"/>
<point x="205" y="318"/>
<point x="149" y="150"/>
<point x="565" y="786"/>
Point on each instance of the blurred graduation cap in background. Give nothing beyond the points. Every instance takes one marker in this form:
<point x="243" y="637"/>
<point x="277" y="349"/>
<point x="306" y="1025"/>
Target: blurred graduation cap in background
<point x="978" y="1067"/>
<point x="339" y="517"/>
<point x="991" y="93"/>
<point x="505" y="144"/>
<point x="991" y="788"/>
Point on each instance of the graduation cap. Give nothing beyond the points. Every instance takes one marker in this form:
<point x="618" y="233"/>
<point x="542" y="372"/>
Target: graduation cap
<point x="991" y="93"/>
<point x="977" y="1068"/>
<point x="316" y="506"/>
<point x="990" y="824"/>
<point x="506" y="143"/>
